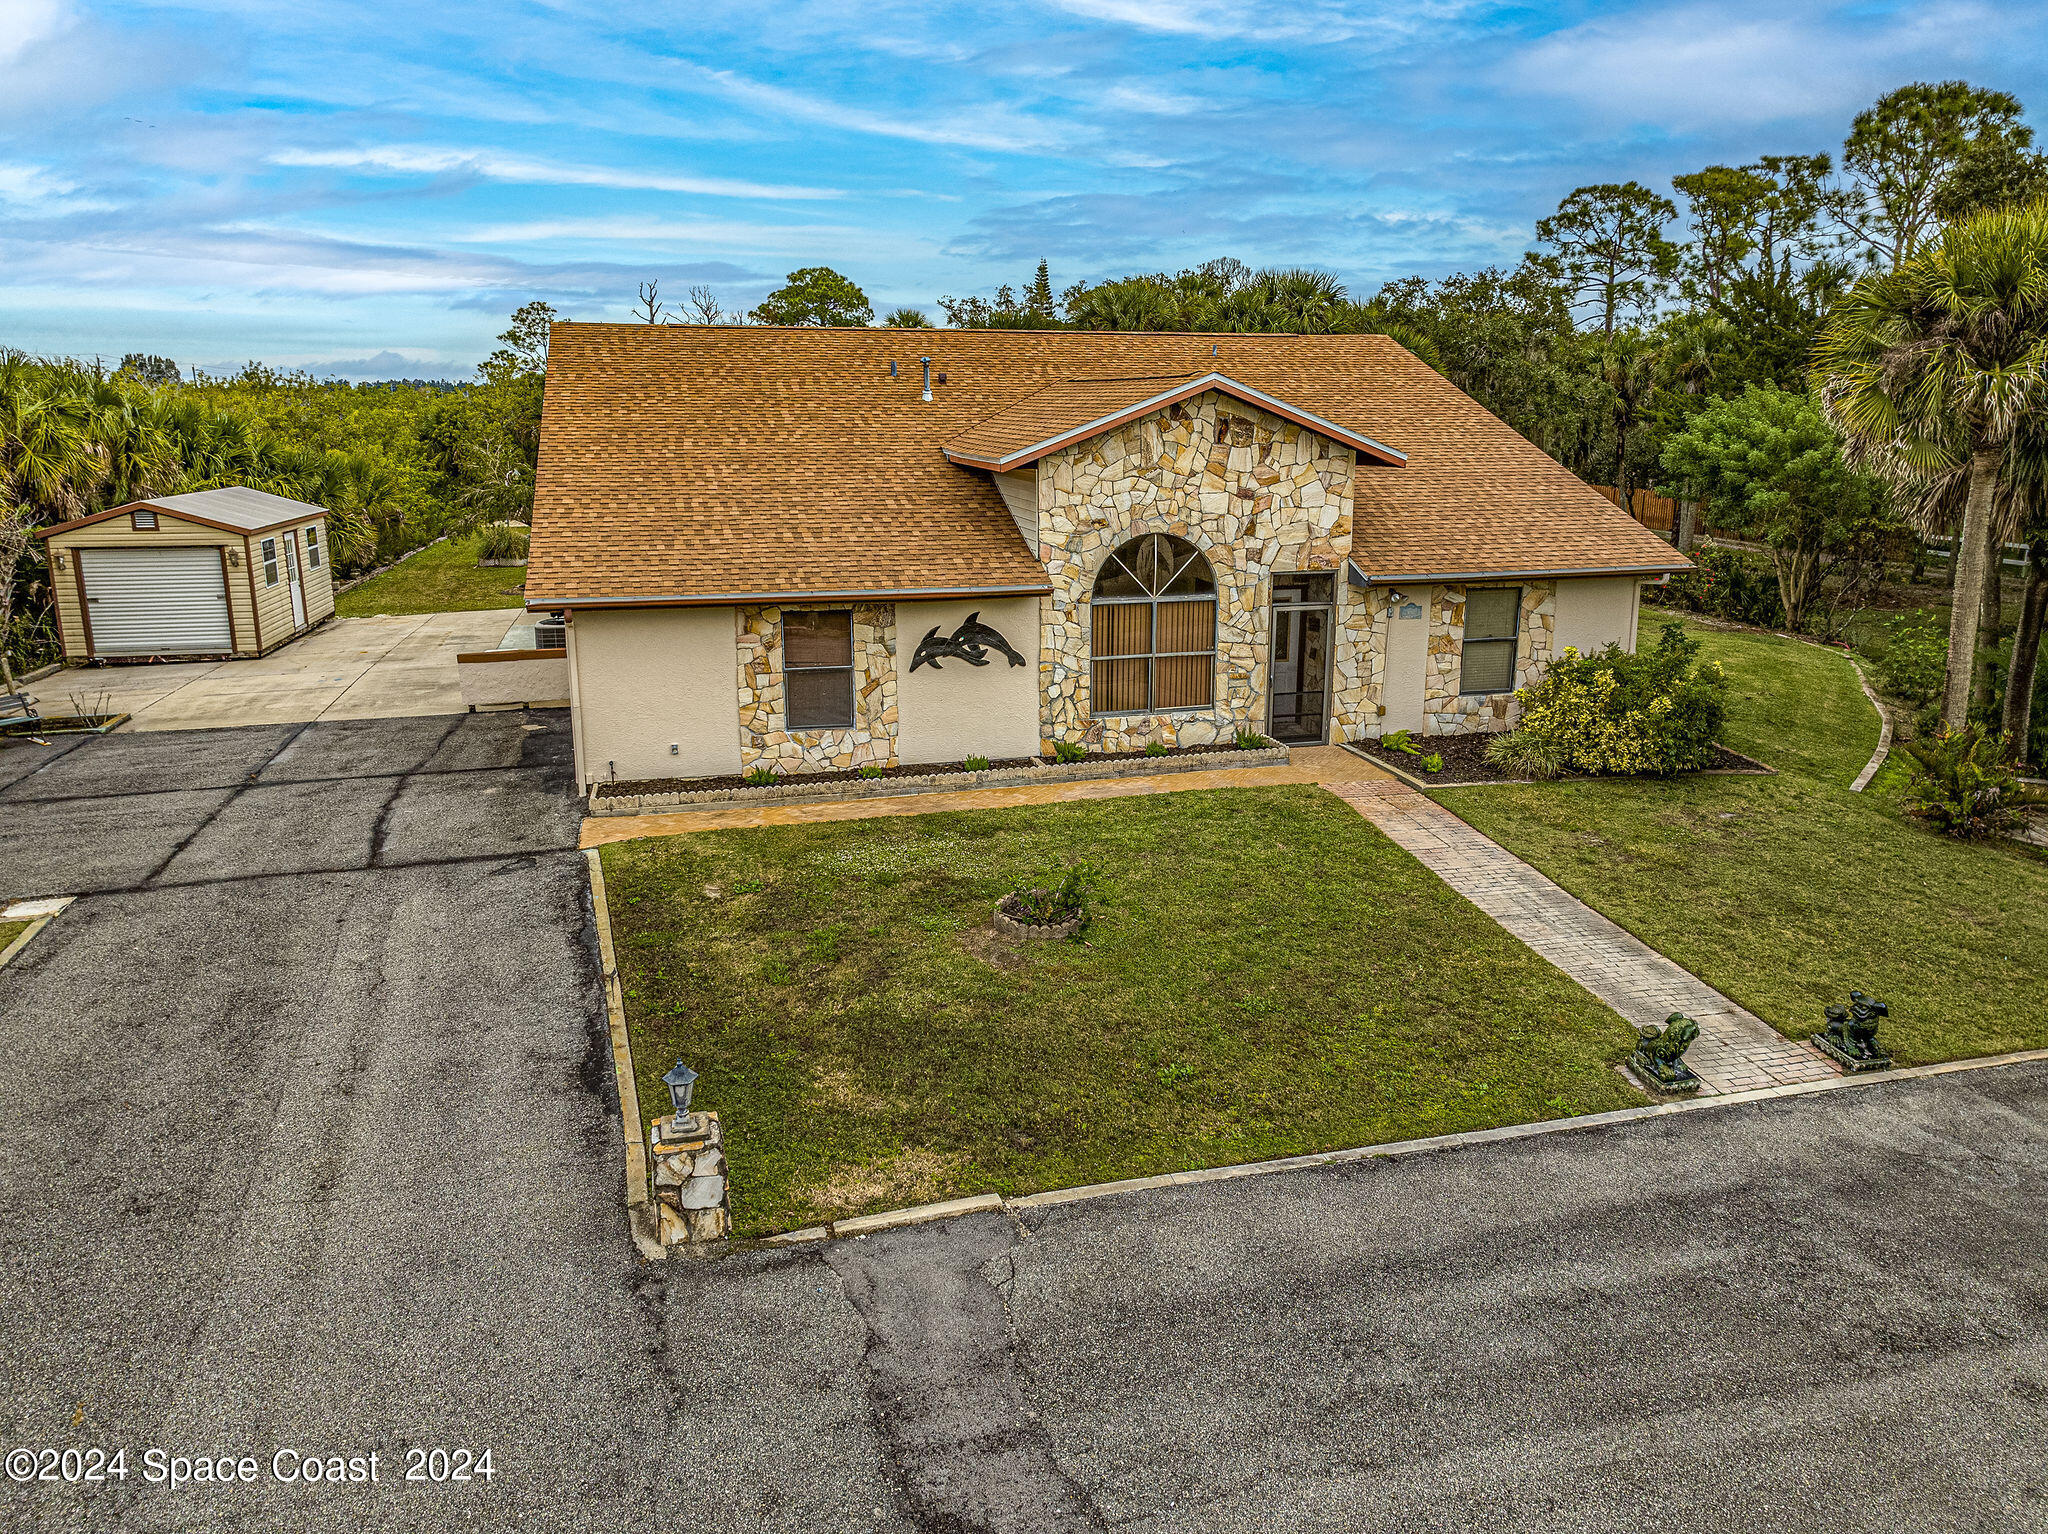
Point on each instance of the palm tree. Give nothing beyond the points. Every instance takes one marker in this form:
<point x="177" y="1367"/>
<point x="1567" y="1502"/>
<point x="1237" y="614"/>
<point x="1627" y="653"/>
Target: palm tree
<point x="1935" y="365"/>
<point x="1628" y="362"/>
<point x="47" y="467"/>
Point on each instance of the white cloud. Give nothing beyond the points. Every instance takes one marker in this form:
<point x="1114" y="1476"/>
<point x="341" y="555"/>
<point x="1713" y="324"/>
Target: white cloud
<point x="1714" y="65"/>
<point x="969" y="127"/>
<point x="25" y="23"/>
<point x="427" y="160"/>
<point x="706" y="233"/>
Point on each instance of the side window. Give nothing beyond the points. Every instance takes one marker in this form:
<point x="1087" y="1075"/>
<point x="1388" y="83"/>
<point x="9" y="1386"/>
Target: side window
<point x="1492" y="617"/>
<point x="313" y="546"/>
<point x="270" y="561"/>
<point x="817" y="670"/>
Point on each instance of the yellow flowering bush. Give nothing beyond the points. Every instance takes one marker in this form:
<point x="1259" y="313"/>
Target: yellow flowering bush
<point x="1652" y="713"/>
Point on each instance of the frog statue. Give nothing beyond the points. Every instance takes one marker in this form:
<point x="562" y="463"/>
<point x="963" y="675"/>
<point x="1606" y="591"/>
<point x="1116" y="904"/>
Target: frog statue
<point x="1658" y="1058"/>
<point x="1850" y="1037"/>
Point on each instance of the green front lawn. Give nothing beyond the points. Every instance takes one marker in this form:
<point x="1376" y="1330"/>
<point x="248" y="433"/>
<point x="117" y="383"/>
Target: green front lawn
<point x="441" y="578"/>
<point x="1268" y="976"/>
<point x="1785" y="892"/>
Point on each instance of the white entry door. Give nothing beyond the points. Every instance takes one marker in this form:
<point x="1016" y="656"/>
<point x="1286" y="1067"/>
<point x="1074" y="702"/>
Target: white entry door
<point x="156" y="601"/>
<point x="291" y="575"/>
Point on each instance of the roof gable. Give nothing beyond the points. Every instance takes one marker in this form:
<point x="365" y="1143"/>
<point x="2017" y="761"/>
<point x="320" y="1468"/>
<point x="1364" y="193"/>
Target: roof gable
<point x="232" y="509"/>
<point x="1076" y="409"/>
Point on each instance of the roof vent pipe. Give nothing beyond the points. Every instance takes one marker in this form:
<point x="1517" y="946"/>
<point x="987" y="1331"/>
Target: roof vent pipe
<point x="927" y="378"/>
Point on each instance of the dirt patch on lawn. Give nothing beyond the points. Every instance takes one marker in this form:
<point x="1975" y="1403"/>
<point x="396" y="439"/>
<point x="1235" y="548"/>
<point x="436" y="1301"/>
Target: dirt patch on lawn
<point x="895" y="1182"/>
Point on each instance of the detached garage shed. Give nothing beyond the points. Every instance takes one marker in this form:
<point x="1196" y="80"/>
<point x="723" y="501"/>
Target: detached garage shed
<point x="210" y="573"/>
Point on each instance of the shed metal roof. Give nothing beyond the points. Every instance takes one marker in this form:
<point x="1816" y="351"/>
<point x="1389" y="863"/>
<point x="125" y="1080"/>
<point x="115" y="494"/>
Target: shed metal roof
<point x="234" y="507"/>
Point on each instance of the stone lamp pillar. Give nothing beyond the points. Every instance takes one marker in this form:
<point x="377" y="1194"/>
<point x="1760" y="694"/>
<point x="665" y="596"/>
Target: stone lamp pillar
<point x="688" y="1153"/>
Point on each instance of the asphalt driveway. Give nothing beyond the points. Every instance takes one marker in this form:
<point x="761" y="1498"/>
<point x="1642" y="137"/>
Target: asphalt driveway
<point x="307" y="1144"/>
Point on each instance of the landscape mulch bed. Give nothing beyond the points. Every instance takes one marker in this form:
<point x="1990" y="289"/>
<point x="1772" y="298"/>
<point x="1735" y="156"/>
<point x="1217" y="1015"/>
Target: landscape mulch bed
<point x="1465" y="761"/>
<point x="637" y="786"/>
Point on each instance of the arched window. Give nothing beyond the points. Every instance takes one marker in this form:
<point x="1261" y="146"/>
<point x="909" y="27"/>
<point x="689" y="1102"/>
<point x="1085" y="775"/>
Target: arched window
<point x="1154" y="628"/>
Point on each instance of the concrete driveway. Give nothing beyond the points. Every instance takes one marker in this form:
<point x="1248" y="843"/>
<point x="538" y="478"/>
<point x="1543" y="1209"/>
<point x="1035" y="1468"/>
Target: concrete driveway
<point x="307" y="1144"/>
<point x="351" y="668"/>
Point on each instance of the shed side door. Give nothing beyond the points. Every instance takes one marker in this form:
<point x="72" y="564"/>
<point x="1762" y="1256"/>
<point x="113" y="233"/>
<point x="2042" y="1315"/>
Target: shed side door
<point x="156" y="601"/>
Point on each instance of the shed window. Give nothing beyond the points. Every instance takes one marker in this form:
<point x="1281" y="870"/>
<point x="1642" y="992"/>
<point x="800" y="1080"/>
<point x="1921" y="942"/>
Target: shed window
<point x="1492" y="618"/>
<point x="1153" y="621"/>
<point x="817" y="669"/>
<point x="145" y="521"/>
<point x="270" y="561"/>
<point x="313" y="546"/>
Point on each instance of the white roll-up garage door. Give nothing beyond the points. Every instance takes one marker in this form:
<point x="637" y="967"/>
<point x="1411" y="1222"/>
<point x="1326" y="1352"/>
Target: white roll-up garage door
<point x="156" y="601"/>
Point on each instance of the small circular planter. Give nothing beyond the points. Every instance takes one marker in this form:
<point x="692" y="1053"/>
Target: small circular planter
<point x="1032" y="932"/>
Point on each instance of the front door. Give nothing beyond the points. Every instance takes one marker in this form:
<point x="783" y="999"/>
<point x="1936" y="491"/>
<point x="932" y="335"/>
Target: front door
<point x="291" y="575"/>
<point x="1299" y="690"/>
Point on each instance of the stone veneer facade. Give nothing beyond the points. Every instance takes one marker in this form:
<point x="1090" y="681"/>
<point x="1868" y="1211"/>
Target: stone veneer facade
<point x="1255" y="493"/>
<point x="766" y="740"/>
<point x="1446" y="711"/>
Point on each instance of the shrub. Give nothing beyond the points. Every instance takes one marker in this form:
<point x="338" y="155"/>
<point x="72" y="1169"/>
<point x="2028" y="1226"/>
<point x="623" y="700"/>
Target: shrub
<point x="1057" y="899"/>
<point x="1154" y="748"/>
<point x="1964" y="785"/>
<point x="1434" y="762"/>
<point x="503" y="540"/>
<point x="1726" y="583"/>
<point x="759" y="777"/>
<point x="1527" y="755"/>
<point x="1915" y="658"/>
<point x="1401" y="740"/>
<point x="872" y="770"/>
<point x="1067" y="751"/>
<point x="1652" y="713"/>
<point x="976" y="764"/>
<point x="1249" y="740"/>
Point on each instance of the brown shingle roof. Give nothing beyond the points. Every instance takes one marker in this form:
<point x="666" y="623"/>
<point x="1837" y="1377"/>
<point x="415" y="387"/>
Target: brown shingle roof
<point x="700" y="463"/>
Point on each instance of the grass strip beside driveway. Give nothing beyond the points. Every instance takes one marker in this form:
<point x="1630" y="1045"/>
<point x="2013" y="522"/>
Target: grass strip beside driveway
<point x="10" y="930"/>
<point x="1784" y="892"/>
<point x="1268" y="976"/>
<point x="441" y="578"/>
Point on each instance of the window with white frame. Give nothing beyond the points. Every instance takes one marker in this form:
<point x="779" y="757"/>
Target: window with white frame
<point x="313" y="546"/>
<point x="270" y="561"/>
<point x="1493" y="616"/>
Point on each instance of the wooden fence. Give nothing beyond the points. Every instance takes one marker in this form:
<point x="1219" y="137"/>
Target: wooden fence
<point x="1659" y="513"/>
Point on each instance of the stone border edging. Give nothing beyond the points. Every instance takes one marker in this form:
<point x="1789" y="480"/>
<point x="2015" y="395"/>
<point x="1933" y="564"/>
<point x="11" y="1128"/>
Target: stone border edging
<point x="640" y="1215"/>
<point x="799" y="792"/>
<point x="868" y="1224"/>
<point x="1884" y="731"/>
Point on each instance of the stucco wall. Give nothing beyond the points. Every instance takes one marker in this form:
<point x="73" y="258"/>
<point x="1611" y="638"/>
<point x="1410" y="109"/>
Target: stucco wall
<point x="647" y="677"/>
<point x="1407" y="643"/>
<point x="952" y="711"/>
<point x="1592" y="614"/>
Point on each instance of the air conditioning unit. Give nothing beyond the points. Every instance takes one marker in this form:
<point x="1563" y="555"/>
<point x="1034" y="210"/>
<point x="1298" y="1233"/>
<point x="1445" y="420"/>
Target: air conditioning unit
<point x="551" y="634"/>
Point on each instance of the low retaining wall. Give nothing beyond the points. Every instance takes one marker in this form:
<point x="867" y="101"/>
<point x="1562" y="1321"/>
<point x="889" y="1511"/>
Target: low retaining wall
<point x="513" y="676"/>
<point x="797" y="791"/>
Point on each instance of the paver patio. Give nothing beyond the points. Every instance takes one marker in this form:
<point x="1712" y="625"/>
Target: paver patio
<point x="1736" y="1050"/>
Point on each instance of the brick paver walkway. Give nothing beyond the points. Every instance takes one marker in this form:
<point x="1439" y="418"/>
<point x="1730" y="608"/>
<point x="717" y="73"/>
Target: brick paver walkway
<point x="1736" y="1049"/>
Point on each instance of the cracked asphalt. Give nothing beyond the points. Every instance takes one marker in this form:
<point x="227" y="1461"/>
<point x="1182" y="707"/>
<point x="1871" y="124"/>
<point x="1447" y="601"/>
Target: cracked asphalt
<point x="307" y="1140"/>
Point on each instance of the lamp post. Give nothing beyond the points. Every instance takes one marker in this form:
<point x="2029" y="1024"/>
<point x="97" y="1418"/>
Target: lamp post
<point x="680" y="1082"/>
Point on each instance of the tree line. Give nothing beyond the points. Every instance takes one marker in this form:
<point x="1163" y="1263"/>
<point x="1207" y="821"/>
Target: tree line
<point x="396" y="463"/>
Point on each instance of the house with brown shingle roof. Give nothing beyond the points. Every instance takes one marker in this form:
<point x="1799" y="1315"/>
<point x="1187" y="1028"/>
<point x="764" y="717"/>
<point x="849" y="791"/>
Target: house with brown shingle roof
<point x="809" y="549"/>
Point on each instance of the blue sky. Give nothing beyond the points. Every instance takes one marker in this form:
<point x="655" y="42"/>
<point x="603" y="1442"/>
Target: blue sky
<point x="369" y="188"/>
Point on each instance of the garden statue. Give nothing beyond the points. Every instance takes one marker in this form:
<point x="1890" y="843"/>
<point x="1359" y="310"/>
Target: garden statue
<point x="1657" y="1059"/>
<point x="1851" y="1034"/>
